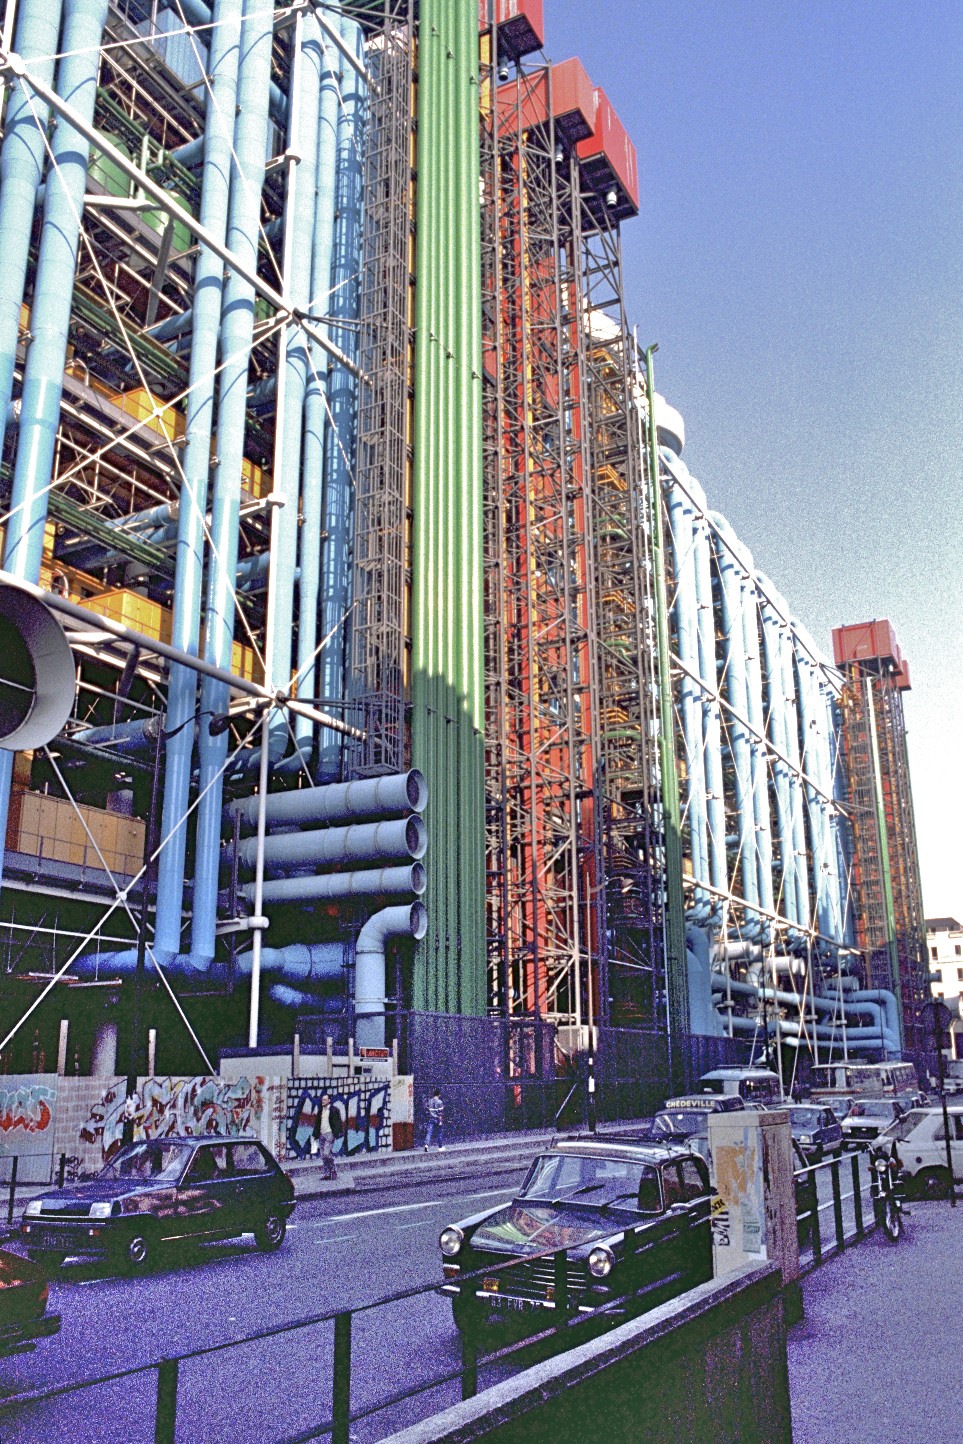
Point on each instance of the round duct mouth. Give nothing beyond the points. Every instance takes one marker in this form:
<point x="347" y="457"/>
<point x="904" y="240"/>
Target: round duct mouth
<point x="416" y="790"/>
<point x="37" y="678"/>
<point x="419" y="920"/>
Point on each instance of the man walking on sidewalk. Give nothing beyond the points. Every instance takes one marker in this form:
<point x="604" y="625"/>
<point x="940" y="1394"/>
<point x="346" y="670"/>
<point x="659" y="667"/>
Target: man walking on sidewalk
<point x="324" y="1133"/>
<point x="436" y="1121"/>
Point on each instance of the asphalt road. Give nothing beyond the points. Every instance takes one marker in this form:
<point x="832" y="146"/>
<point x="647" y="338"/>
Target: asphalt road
<point x="343" y="1252"/>
<point x="340" y="1253"/>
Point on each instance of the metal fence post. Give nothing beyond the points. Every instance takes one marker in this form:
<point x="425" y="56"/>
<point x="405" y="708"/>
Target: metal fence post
<point x="469" y="1367"/>
<point x="341" y="1386"/>
<point x="165" y="1412"/>
<point x="62" y="1170"/>
<point x="561" y="1288"/>
<point x="814" y="1215"/>
<point x="13" y="1188"/>
<point x="838" y="1206"/>
<point x="857" y="1196"/>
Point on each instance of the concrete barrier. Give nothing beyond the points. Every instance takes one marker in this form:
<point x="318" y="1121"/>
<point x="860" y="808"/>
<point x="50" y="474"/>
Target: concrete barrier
<point x="710" y="1365"/>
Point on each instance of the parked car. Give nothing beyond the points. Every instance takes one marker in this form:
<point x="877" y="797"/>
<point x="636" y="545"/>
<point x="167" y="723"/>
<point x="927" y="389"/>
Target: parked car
<point x="159" y="1190"/>
<point x="756" y="1086"/>
<point x="920" y="1139"/>
<point x="866" y="1120"/>
<point x="840" y="1104"/>
<point x="24" y="1293"/>
<point x="679" y="1118"/>
<point x="816" y="1129"/>
<point x="588" y="1196"/>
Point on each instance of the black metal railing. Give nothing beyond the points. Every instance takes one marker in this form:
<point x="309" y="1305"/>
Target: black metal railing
<point x="822" y="1238"/>
<point x="566" y="1310"/>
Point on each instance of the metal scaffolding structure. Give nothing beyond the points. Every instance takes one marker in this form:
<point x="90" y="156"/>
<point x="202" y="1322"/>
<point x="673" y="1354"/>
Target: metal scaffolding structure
<point x="573" y="911"/>
<point x="382" y="545"/>
<point x="890" y="923"/>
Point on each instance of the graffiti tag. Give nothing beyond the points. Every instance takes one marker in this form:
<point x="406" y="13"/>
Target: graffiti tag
<point x="29" y="1107"/>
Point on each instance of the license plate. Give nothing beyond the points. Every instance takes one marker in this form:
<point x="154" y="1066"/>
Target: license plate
<point x="518" y="1306"/>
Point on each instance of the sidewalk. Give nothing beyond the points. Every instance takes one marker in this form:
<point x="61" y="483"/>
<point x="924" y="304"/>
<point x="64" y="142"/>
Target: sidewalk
<point x="491" y="1157"/>
<point x="879" y="1354"/>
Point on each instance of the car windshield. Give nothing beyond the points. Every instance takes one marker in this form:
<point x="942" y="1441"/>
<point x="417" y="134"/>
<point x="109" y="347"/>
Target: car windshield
<point x="874" y="1108"/>
<point x="904" y="1126"/>
<point x="154" y="1162"/>
<point x="804" y="1117"/>
<point x="568" y="1178"/>
<point x="681" y="1120"/>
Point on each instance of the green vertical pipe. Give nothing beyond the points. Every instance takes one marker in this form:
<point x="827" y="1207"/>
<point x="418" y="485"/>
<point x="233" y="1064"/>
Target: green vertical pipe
<point x="446" y="633"/>
<point x="674" y="919"/>
<point x="887" y="873"/>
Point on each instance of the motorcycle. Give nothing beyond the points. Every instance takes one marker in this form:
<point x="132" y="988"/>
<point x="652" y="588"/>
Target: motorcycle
<point x="886" y="1190"/>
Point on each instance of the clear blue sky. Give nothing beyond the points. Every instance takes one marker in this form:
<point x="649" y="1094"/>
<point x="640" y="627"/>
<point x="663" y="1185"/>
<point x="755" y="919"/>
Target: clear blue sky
<point x="799" y="259"/>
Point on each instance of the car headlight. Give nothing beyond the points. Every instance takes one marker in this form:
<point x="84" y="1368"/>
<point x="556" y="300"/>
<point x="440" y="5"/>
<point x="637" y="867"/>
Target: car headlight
<point x="451" y="1241"/>
<point x="33" y="1208"/>
<point x="600" y="1263"/>
<point x="805" y="1138"/>
<point x="101" y="1210"/>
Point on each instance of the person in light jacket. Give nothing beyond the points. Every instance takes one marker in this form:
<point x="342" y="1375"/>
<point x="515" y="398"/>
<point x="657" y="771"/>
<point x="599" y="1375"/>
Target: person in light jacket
<point x="436" y="1122"/>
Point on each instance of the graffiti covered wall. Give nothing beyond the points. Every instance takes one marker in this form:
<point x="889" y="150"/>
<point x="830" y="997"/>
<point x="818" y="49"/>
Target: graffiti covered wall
<point x="27" y="1109"/>
<point x="360" y="1114"/>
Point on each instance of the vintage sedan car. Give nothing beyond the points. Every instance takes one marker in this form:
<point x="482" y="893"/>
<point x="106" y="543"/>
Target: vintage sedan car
<point x="632" y="1218"/>
<point x="866" y="1120"/>
<point x="816" y="1129"/>
<point x="163" y="1189"/>
<point x="24" y="1291"/>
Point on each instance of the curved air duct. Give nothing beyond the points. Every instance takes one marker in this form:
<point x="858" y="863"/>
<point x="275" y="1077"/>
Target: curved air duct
<point x="363" y="842"/>
<point x="878" y="1004"/>
<point x="370" y="797"/>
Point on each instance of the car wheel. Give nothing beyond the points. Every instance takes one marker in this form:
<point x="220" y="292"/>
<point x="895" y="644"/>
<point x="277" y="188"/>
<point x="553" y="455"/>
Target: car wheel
<point x="932" y="1183"/>
<point x="269" y="1232"/>
<point x="136" y="1250"/>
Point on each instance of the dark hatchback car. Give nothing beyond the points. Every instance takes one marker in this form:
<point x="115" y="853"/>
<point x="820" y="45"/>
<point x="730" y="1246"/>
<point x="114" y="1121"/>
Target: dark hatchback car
<point x="632" y="1217"/>
<point x="816" y="1129"/>
<point x="24" y="1291"/>
<point x="159" y="1190"/>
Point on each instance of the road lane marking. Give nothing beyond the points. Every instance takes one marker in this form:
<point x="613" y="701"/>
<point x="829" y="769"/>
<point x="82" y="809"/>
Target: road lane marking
<point x="339" y="1238"/>
<point x="407" y="1207"/>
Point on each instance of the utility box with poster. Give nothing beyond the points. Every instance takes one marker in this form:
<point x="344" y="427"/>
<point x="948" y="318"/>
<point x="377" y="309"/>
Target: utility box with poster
<point x="754" y="1210"/>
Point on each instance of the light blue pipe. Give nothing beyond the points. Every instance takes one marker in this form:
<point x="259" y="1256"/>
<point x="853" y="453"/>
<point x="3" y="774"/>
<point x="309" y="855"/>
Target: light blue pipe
<point x="370" y="992"/>
<point x="54" y="280"/>
<point x="342" y="391"/>
<point x="315" y="409"/>
<point x="681" y="520"/>
<point x="299" y="962"/>
<point x="832" y="785"/>
<point x="299" y="228"/>
<point x="21" y="167"/>
<point x="812" y="719"/>
<point x="757" y="734"/>
<point x="53" y="290"/>
<point x="772" y="629"/>
<point x="797" y="800"/>
<point x="711" y="724"/>
<point x="881" y="1032"/>
<point x="730" y="576"/>
<point x="225" y="42"/>
<point x="237" y="328"/>
<point x="126" y="739"/>
<point x="197" y="13"/>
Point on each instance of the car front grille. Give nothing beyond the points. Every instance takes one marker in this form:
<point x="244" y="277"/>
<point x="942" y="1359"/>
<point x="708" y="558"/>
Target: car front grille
<point x="534" y="1278"/>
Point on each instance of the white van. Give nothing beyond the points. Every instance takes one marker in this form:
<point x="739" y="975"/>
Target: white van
<point x="756" y="1086"/>
<point x="920" y="1139"/>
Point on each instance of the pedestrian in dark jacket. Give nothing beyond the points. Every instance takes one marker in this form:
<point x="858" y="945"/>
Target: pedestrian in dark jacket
<point x="436" y="1122"/>
<point x="324" y="1137"/>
